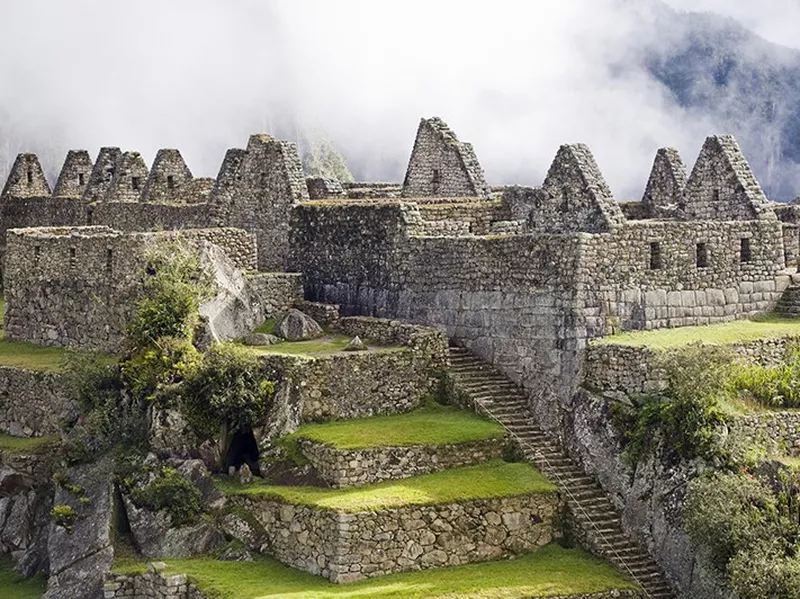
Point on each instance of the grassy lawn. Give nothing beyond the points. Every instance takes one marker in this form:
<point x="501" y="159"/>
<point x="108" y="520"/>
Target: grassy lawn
<point x="766" y="327"/>
<point x="434" y="425"/>
<point x="551" y="571"/>
<point x="33" y="357"/>
<point x="791" y="462"/>
<point x="12" y="588"/>
<point x="492" y="479"/>
<point x="314" y="347"/>
<point x="24" y="445"/>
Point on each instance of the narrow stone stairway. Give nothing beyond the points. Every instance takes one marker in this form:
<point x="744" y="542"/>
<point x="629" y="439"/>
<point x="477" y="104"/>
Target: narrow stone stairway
<point x="592" y="510"/>
<point x="789" y="304"/>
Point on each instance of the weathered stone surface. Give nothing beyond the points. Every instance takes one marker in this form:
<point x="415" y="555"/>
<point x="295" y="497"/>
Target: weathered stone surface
<point x="80" y="557"/>
<point x="296" y="326"/>
<point x="155" y="536"/>
<point x="356" y="345"/>
<point x="260" y="339"/>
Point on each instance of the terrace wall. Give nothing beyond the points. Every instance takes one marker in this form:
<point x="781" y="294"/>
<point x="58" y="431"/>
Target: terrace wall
<point x="345" y="547"/>
<point x="34" y="404"/>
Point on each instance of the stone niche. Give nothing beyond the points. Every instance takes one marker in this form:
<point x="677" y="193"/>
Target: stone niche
<point x="346" y="547"/>
<point x="354" y="467"/>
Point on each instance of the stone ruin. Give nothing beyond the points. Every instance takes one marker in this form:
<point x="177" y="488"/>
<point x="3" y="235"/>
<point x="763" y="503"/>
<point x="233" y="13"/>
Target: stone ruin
<point x="522" y="277"/>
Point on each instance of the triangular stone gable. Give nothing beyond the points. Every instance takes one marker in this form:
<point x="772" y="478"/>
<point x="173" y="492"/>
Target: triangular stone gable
<point x="575" y="196"/>
<point x="26" y="179"/>
<point x="667" y="181"/>
<point x="723" y="187"/>
<point x="129" y="179"/>
<point x="442" y="166"/>
<point x="74" y="176"/>
<point x="169" y="178"/>
<point x="257" y="190"/>
<point x="102" y="174"/>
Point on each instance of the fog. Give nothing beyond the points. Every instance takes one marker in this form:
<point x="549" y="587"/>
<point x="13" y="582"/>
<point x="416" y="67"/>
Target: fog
<point x="516" y="78"/>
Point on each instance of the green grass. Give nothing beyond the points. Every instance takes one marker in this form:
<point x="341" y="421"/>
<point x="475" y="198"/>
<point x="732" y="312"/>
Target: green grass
<point x="765" y="327"/>
<point x="433" y="425"/>
<point x="486" y="481"/>
<point x="551" y="571"/>
<point x="267" y="327"/>
<point x="21" y="354"/>
<point x="314" y="347"/>
<point x="13" y="588"/>
<point x="26" y="445"/>
<point x="791" y="462"/>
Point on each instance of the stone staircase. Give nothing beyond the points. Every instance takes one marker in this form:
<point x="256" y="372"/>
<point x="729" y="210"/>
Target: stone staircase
<point x="594" y="515"/>
<point x="789" y="304"/>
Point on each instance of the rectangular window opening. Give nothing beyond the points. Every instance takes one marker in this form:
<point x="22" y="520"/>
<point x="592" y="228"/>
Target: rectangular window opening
<point x="81" y="179"/>
<point x="109" y="260"/>
<point x="715" y="195"/>
<point x="745" y="253"/>
<point x="37" y="252"/>
<point x="655" y="256"/>
<point x="30" y="176"/>
<point x="73" y="257"/>
<point x="171" y="181"/>
<point x="702" y="255"/>
<point x="136" y="183"/>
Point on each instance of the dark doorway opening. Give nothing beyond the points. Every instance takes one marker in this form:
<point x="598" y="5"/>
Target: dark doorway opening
<point x="243" y="450"/>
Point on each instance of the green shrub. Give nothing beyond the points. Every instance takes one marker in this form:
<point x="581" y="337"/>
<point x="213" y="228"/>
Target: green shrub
<point x="775" y="386"/>
<point x="63" y="515"/>
<point x="153" y="374"/>
<point x="171" y="492"/>
<point x="174" y="286"/>
<point x="764" y="572"/>
<point x="227" y="387"/>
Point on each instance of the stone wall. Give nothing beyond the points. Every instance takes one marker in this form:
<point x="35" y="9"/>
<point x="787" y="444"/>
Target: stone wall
<point x="276" y="292"/>
<point x="76" y="286"/>
<point x="148" y="216"/>
<point x="34" y="403"/>
<point x="779" y="430"/>
<point x="478" y="216"/>
<point x="345" y="547"/>
<point x="152" y="585"/>
<point x="649" y="274"/>
<point x="358" y="384"/>
<point x="633" y="369"/>
<point x="355" y="467"/>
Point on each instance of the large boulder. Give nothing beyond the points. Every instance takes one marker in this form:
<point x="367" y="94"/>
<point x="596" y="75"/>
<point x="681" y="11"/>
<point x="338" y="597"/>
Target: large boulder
<point x="155" y="536"/>
<point x="80" y="555"/>
<point x="297" y="326"/>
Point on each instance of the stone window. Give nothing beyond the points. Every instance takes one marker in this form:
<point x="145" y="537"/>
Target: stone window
<point x="109" y="260"/>
<point x="81" y="179"/>
<point x="702" y="255"/>
<point x="171" y="181"/>
<point x="37" y="253"/>
<point x="73" y="257"/>
<point x="565" y="200"/>
<point x="745" y="253"/>
<point x="437" y="177"/>
<point x="715" y="195"/>
<point x="30" y="176"/>
<point x="136" y="183"/>
<point x="655" y="256"/>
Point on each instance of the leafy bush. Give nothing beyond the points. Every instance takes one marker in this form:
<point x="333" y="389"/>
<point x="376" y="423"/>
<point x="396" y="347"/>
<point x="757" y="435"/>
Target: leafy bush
<point x="174" y="286"/>
<point x="689" y="414"/>
<point x="153" y="374"/>
<point x="227" y="387"/>
<point x="171" y="492"/>
<point x="772" y="386"/>
<point x="749" y="530"/>
<point x="63" y="515"/>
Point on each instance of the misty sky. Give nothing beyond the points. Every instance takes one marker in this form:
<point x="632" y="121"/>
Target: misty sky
<point x="516" y="78"/>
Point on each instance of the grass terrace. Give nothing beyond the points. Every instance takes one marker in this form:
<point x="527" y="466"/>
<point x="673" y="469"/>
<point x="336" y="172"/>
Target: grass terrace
<point x="431" y="425"/>
<point x="550" y="572"/>
<point x="486" y="481"/>
<point x="26" y="445"/>
<point x="11" y="587"/>
<point x="21" y="354"/>
<point x="740" y="331"/>
<point x="324" y="346"/>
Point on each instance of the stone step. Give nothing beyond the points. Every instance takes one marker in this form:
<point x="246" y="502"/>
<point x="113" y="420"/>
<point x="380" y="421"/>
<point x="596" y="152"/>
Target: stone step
<point x="503" y="401"/>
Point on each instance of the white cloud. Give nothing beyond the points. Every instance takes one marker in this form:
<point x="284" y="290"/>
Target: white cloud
<point x="517" y="78"/>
